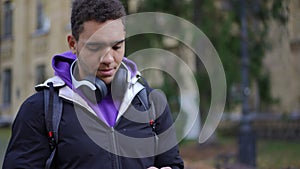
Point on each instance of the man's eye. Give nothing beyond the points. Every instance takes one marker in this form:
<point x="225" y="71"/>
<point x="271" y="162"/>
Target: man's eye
<point x="94" y="48"/>
<point x="116" y="47"/>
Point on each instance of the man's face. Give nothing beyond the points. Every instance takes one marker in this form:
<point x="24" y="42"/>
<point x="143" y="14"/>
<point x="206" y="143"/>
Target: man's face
<point x="100" y="49"/>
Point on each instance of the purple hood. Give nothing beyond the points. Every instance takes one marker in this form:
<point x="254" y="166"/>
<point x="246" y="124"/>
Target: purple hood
<point x="61" y="64"/>
<point x="105" y="109"/>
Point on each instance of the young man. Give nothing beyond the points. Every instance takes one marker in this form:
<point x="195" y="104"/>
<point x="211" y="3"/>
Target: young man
<point x="100" y="93"/>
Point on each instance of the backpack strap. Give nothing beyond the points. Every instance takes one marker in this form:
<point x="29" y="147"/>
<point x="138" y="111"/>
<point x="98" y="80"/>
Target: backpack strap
<point x="53" y="111"/>
<point x="143" y="96"/>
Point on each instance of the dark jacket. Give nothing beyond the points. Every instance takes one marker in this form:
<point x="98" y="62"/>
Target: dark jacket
<point x="86" y="142"/>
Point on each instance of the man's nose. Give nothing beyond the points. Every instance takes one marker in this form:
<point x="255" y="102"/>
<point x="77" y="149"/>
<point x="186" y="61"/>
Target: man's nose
<point x="108" y="57"/>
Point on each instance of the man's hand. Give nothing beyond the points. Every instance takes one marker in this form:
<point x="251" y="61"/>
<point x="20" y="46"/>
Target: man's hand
<point x="160" y="168"/>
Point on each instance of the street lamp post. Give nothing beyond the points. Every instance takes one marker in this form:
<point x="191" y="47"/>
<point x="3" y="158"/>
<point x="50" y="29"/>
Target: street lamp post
<point x="247" y="150"/>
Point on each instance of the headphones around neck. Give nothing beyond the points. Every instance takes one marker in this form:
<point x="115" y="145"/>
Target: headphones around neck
<point x="95" y="89"/>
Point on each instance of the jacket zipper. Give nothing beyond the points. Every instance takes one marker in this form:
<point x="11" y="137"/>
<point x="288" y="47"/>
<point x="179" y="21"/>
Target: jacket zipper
<point x="114" y="140"/>
<point x="112" y="129"/>
<point x="115" y="153"/>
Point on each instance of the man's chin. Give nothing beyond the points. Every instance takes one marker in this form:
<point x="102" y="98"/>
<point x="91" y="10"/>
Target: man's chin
<point x="106" y="80"/>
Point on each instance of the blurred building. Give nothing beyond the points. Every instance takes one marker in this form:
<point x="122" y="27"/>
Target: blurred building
<point x="32" y="31"/>
<point x="283" y="61"/>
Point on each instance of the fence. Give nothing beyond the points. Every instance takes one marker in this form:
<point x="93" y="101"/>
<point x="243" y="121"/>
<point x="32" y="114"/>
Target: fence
<point x="266" y="128"/>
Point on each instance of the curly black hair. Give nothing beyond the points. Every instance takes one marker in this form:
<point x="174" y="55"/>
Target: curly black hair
<point x="97" y="10"/>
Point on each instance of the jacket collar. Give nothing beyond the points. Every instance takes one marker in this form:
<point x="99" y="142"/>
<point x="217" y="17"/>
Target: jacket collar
<point x="67" y="93"/>
<point x="56" y="81"/>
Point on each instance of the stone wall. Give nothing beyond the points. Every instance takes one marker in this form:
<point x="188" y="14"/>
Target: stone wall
<point x="283" y="60"/>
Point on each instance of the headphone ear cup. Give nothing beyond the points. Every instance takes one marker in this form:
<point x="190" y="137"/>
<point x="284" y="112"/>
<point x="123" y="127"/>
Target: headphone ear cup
<point x="119" y="86"/>
<point x="101" y="90"/>
<point x="95" y="96"/>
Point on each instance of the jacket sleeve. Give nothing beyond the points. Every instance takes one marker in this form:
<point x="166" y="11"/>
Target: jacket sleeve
<point x="28" y="146"/>
<point x="168" y="151"/>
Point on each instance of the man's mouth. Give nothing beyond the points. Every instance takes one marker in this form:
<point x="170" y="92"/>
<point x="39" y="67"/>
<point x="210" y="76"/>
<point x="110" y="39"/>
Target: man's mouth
<point x="106" y="72"/>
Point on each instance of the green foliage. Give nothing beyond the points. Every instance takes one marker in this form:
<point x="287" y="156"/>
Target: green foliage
<point x="223" y="29"/>
<point x="175" y="7"/>
<point x="280" y="11"/>
<point x="264" y="91"/>
<point x="205" y="92"/>
<point x="222" y="26"/>
<point x="171" y="89"/>
<point x="142" y="41"/>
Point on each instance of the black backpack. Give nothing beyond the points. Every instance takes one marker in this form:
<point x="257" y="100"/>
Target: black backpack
<point x="53" y="111"/>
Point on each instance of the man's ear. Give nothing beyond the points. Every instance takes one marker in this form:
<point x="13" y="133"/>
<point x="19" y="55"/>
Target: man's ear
<point x="72" y="43"/>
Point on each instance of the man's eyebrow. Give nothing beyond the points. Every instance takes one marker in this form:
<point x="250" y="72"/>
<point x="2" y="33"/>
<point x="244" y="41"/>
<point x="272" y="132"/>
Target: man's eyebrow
<point x="95" y="43"/>
<point x="103" y="43"/>
<point x="117" y="42"/>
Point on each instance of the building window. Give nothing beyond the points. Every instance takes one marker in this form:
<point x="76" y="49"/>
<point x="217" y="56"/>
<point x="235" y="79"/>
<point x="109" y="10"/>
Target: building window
<point x="40" y="74"/>
<point x="42" y="22"/>
<point x="40" y="15"/>
<point x="8" y="19"/>
<point x="7" y="87"/>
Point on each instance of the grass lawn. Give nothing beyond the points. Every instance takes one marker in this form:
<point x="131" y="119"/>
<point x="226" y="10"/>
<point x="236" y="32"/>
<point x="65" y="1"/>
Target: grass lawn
<point x="278" y="154"/>
<point x="4" y="138"/>
<point x="274" y="154"/>
<point x="270" y="154"/>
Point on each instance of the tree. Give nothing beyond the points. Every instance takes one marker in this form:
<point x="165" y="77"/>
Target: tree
<point x="220" y="21"/>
